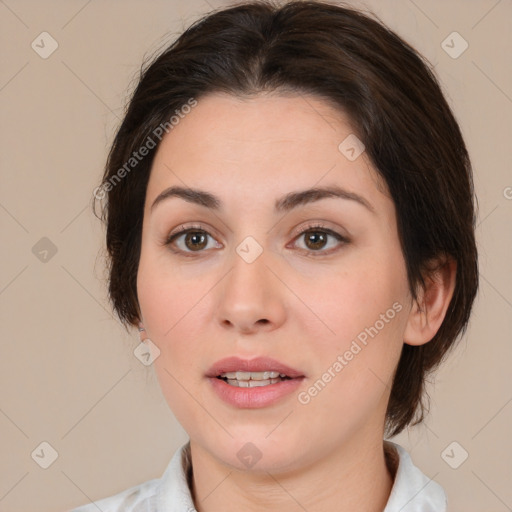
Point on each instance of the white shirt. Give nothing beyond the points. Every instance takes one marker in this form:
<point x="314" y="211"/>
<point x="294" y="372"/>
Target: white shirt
<point x="412" y="491"/>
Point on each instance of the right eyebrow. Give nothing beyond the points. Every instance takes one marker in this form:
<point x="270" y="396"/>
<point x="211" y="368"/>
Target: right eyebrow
<point x="190" y="195"/>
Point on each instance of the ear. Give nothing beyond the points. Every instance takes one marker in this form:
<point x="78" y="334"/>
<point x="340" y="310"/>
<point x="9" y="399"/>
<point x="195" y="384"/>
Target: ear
<point x="429" y="310"/>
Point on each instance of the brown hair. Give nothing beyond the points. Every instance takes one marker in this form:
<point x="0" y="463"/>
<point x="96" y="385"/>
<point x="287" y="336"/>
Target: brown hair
<point x="396" y="108"/>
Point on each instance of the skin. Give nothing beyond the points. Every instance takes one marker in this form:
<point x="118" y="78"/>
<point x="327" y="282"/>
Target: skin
<point x="300" y="305"/>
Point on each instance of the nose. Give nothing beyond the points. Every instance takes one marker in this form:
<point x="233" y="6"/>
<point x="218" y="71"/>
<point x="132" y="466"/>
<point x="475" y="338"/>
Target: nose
<point x="251" y="297"/>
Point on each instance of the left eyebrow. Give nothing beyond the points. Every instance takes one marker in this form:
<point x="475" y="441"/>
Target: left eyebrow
<point x="284" y="204"/>
<point x="294" y="199"/>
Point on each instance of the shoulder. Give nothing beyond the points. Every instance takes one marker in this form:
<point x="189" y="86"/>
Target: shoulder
<point x="125" y="501"/>
<point x="412" y="490"/>
<point x="170" y="492"/>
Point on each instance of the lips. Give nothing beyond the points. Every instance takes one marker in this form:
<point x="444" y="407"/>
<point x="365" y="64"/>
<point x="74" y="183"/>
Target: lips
<point x="253" y="394"/>
<point x="258" y="364"/>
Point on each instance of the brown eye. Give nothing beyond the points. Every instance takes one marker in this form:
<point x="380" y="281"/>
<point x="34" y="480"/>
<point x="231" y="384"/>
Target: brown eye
<point x="315" y="239"/>
<point x="196" y="240"/>
<point x="191" y="240"/>
<point x="318" y="238"/>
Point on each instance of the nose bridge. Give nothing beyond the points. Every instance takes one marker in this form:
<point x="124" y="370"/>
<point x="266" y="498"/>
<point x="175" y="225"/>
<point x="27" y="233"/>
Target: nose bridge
<point x="249" y="266"/>
<point x="251" y="295"/>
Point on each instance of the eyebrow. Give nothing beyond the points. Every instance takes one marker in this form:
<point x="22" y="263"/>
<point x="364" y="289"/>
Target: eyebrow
<point x="284" y="204"/>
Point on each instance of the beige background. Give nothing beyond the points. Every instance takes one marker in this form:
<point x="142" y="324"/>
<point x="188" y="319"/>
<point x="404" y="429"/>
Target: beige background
<point x="67" y="369"/>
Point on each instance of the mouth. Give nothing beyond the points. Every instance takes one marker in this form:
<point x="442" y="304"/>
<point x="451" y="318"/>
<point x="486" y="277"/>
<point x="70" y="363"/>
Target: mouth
<point x="253" y="379"/>
<point x="257" y="370"/>
<point x="253" y="383"/>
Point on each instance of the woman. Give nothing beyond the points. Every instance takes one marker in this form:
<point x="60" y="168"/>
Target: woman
<point x="290" y="224"/>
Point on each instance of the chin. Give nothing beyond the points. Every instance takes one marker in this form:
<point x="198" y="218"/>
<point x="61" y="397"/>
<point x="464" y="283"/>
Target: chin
<point x="255" y="451"/>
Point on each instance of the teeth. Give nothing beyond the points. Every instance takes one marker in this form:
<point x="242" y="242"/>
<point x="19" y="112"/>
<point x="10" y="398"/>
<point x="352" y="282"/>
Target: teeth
<point x="252" y="383"/>
<point x="246" y="376"/>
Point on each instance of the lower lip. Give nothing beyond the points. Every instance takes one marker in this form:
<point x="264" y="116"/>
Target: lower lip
<point x="254" y="398"/>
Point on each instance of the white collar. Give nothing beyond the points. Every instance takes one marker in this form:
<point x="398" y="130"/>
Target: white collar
<point x="413" y="491"/>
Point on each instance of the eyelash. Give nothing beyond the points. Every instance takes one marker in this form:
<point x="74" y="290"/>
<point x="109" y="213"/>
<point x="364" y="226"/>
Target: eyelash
<point x="311" y="228"/>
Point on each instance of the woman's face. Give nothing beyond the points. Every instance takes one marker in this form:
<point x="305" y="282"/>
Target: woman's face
<point x="331" y="303"/>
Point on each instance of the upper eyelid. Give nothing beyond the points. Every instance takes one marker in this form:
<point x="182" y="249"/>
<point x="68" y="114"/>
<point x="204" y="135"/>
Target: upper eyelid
<point x="316" y="225"/>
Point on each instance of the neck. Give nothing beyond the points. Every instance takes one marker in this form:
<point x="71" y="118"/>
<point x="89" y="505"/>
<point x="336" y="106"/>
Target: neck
<point x="348" y="479"/>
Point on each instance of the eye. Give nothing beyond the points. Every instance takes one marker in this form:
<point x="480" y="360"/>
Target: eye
<point x="189" y="240"/>
<point x="194" y="239"/>
<point x="316" y="238"/>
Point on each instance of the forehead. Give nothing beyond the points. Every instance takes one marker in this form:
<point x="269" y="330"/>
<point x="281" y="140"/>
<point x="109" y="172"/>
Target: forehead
<point x="262" y="146"/>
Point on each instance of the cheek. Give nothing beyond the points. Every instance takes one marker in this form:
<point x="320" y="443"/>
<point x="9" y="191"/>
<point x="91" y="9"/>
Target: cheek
<point x="174" y="310"/>
<point x="355" y="298"/>
<point x="365" y="308"/>
<point x="165" y="299"/>
<point x="168" y="310"/>
<point x="353" y="374"/>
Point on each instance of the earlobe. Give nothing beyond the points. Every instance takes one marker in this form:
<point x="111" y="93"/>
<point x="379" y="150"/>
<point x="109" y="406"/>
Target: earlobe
<point x="142" y="332"/>
<point x="429" y="310"/>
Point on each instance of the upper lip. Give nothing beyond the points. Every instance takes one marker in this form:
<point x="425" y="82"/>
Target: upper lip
<point x="258" y="364"/>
